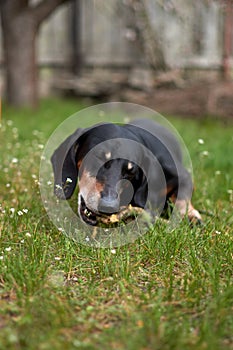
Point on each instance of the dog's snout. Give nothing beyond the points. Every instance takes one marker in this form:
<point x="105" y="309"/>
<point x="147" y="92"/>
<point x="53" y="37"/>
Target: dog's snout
<point x="109" y="201"/>
<point x="108" y="207"/>
<point x="109" y="194"/>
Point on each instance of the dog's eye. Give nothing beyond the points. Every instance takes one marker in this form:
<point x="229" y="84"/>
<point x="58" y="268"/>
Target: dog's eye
<point x="107" y="165"/>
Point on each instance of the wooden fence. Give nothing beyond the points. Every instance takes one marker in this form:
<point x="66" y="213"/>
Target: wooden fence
<point x="105" y="33"/>
<point x="190" y="33"/>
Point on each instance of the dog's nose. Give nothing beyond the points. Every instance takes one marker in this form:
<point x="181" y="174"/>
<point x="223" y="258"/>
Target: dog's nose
<point x="109" y="202"/>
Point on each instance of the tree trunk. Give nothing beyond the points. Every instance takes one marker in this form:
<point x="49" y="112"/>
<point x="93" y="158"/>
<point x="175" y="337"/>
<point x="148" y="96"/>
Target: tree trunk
<point x="20" y="60"/>
<point x="227" y="42"/>
<point x="20" y="24"/>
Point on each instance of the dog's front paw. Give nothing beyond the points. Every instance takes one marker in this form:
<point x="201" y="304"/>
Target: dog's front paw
<point x="195" y="217"/>
<point x="185" y="208"/>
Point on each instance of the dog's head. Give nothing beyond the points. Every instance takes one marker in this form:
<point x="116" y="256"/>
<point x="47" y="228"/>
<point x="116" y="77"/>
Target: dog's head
<point x="105" y="166"/>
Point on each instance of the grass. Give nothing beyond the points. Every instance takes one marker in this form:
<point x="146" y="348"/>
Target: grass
<point x="171" y="289"/>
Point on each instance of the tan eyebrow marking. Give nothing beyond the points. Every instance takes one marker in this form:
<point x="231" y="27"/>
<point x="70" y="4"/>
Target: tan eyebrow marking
<point x="130" y="165"/>
<point x="108" y="155"/>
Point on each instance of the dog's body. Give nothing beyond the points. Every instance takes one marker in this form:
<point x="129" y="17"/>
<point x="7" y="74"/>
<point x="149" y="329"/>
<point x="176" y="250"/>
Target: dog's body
<point x="137" y="164"/>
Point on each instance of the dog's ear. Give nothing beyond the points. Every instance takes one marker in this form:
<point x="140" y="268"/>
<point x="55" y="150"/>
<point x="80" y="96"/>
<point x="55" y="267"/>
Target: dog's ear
<point x="64" y="166"/>
<point x="141" y="192"/>
<point x="147" y="195"/>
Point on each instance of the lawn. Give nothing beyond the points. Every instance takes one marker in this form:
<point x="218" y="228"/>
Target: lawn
<point x="170" y="289"/>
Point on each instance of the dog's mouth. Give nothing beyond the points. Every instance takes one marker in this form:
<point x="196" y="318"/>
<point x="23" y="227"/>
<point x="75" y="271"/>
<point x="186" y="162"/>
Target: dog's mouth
<point x="87" y="215"/>
<point x="124" y="216"/>
<point x="95" y="218"/>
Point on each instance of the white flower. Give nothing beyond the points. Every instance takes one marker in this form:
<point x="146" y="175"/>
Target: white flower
<point x="12" y="210"/>
<point x="217" y="172"/>
<point x="14" y="160"/>
<point x="57" y="258"/>
<point x="87" y="239"/>
<point x="9" y="122"/>
<point x="113" y="251"/>
<point x="20" y="213"/>
<point x="49" y="183"/>
<point x="8" y="249"/>
<point x="40" y="146"/>
<point x="25" y="211"/>
<point x="27" y="234"/>
<point x="1" y="257"/>
<point x="201" y="141"/>
<point x="69" y="180"/>
<point x="8" y="185"/>
<point x="205" y="153"/>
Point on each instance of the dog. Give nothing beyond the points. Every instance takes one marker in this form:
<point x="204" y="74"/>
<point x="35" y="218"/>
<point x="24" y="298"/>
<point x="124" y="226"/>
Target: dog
<point x="138" y="164"/>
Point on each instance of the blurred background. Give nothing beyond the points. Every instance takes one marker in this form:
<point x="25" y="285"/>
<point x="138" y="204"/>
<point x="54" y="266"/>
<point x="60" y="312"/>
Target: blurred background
<point x="172" y="55"/>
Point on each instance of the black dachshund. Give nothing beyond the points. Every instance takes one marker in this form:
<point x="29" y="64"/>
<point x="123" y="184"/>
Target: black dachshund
<point x="137" y="164"/>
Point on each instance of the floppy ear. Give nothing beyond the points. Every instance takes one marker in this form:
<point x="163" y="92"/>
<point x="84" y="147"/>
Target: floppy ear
<point x="147" y="194"/>
<point x="65" y="167"/>
<point x="140" y="195"/>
